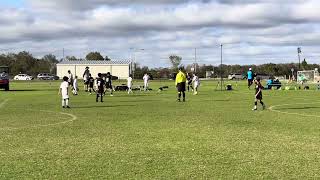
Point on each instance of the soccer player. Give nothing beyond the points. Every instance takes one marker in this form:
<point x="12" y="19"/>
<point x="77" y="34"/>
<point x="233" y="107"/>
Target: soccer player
<point x="196" y="83"/>
<point x="146" y="78"/>
<point x="70" y="78"/>
<point x="86" y="78"/>
<point x="181" y="85"/>
<point x="258" y="95"/>
<point x="129" y="84"/>
<point x="250" y="77"/>
<point x="100" y="89"/>
<point x="64" y="91"/>
<point x="91" y="83"/>
<point x="189" y="80"/>
<point x="75" y="85"/>
<point x="108" y="84"/>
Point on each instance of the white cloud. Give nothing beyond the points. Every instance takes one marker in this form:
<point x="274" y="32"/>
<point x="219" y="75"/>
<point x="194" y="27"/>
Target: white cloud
<point x="268" y="29"/>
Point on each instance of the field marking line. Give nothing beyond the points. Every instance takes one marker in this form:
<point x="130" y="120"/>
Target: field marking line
<point x="271" y="108"/>
<point x="73" y="118"/>
<point x="3" y="103"/>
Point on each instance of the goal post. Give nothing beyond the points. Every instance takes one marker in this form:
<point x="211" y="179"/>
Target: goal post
<point x="310" y="76"/>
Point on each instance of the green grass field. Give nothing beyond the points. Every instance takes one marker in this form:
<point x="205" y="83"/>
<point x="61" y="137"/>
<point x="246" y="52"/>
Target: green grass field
<point x="214" y="135"/>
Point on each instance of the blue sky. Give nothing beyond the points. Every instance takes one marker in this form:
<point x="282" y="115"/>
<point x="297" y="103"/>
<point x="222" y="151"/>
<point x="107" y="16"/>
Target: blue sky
<point x="12" y="3"/>
<point x="252" y="31"/>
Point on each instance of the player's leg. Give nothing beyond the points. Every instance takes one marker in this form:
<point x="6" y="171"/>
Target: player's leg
<point x="263" y="105"/>
<point x="63" y="103"/>
<point x="184" y="95"/>
<point x="255" y="104"/>
<point x="67" y="102"/>
<point x="101" y="96"/>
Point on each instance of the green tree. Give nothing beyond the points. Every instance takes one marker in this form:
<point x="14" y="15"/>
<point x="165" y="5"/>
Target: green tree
<point x="304" y="64"/>
<point x="107" y="58"/>
<point x="94" y="56"/>
<point x="71" y="58"/>
<point x="175" y="61"/>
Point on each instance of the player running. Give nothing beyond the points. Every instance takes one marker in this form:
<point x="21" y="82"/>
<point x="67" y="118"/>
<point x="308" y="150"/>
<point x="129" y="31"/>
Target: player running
<point x="100" y="88"/>
<point x="91" y="83"/>
<point x="64" y="91"/>
<point x="189" y="80"/>
<point x="108" y="83"/>
<point x="181" y="85"/>
<point x="258" y="95"/>
<point x="196" y="83"/>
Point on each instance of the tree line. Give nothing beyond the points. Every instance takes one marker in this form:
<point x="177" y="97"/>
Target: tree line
<point x="25" y="62"/>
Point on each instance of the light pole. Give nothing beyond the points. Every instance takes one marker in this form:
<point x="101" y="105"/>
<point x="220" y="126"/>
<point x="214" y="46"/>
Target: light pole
<point x="221" y="79"/>
<point x="299" y="52"/>
<point x="134" y="60"/>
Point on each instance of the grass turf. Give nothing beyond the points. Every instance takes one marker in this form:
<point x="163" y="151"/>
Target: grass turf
<point x="213" y="135"/>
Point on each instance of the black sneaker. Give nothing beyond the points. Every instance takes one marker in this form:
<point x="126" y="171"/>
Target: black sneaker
<point x="68" y="107"/>
<point x="63" y="107"/>
<point x="184" y="100"/>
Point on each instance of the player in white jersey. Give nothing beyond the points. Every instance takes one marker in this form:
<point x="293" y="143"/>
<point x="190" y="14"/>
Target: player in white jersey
<point x="75" y="85"/>
<point x="196" y="83"/>
<point x="146" y="78"/>
<point x="64" y="91"/>
<point x="129" y="84"/>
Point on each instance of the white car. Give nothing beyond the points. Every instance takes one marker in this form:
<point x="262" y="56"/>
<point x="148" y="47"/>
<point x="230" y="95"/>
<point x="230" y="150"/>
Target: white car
<point x="24" y="77"/>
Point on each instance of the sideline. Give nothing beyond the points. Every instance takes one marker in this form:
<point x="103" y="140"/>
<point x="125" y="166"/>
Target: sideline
<point x="271" y="108"/>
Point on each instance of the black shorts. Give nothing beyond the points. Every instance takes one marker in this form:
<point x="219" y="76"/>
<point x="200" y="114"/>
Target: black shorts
<point x="250" y="82"/>
<point x="181" y="87"/>
<point x="100" y="91"/>
<point x="86" y="82"/>
<point x="259" y="96"/>
<point x="91" y="85"/>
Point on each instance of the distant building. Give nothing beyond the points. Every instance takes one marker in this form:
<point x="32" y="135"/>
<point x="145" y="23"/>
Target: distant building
<point x="121" y="69"/>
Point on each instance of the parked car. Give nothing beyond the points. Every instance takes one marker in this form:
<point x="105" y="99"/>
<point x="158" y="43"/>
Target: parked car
<point x="236" y="76"/>
<point x="47" y="76"/>
<point x="23" y="77"/>
<point x="4" y="78"/>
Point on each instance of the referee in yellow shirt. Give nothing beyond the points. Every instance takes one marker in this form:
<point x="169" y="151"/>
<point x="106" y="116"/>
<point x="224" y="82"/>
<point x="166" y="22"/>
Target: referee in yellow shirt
<point x="181" y="84"/>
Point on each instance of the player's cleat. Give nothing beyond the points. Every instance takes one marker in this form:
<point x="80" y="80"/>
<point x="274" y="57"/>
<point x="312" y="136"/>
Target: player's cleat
<point x="63" y="107"/>
<point x="264" y="107"/>
<point x="184" y="100"/>
<point x="254" y="109"/>
<point x="68" y="107"/>
<point x="111" y="94"/>
<point x="178" y="100"/>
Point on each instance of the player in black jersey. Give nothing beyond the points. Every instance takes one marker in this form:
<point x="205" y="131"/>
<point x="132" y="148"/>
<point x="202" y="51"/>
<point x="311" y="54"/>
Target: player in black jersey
<point x="100" y="88"/>
<point x="108" y="83"/>
<point x="189" y="81"/>
<point x="91" y="83"/>
<point x="258" y="95"/>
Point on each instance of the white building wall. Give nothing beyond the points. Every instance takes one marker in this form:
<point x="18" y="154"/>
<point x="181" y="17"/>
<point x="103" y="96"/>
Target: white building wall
<point x="122" y="71"/>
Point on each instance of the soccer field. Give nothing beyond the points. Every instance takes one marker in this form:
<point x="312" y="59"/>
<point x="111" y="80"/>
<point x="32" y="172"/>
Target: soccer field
<point x="214" y="135"/>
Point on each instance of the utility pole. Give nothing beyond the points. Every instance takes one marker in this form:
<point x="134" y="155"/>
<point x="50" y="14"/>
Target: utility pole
<point x="195" y="60"/>
<point x="63" y="53"/>
<point x="299" y="52"/>
<point x="221" y="68"/>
